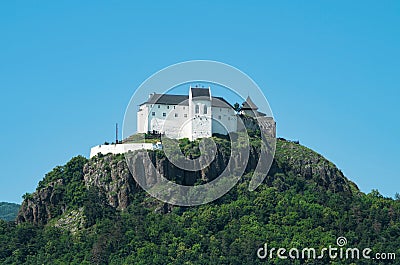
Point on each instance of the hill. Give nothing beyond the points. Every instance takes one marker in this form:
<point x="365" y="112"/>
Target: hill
<point x="8" y="211"/>
<point x="93" y="212"/>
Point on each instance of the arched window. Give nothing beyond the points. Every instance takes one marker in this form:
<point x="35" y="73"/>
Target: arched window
<point x="205" y="109"/>
<point x="197" y="109"/>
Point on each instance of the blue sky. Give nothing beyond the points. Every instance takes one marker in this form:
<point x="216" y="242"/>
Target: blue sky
<point x="330" y="70"/>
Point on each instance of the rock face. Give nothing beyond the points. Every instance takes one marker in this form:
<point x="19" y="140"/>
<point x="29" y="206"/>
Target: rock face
<point x="267" y="124"/>
<point x="42" y="205"/>
<point x="73" y="220"/>
<point x="111" y="176"/>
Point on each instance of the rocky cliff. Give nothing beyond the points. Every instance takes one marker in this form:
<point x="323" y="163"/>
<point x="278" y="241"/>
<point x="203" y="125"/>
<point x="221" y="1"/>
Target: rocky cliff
<point x="111" y="177"/>
<point x="40" y="206"/>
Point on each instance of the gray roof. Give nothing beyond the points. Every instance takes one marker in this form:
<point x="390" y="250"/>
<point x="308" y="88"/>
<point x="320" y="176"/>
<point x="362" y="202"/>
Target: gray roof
<point x="249" y="104"/>
<point x="167" y="99"/>
<point x="220" y="102"/>
<point x="200" y="92"/>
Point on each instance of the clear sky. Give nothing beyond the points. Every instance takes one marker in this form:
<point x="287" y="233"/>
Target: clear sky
<point x="330" y="70"/>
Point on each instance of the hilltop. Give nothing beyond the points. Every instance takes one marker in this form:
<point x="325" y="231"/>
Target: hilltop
<point x="93" y="212"/>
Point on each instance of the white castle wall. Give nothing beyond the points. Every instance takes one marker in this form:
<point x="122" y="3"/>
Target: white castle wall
<point x="151" y="117"/>
<point x="176" y="122"/>
<point x="200" y="122"/>
<point x="142" y="119"/>
<point x="118" y="148"/>
<point x="224" y="120"/>
<point x="181" y="121"/>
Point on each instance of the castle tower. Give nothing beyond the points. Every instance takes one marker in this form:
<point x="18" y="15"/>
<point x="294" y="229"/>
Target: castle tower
<point x="249" y="108"/>
<point x="200" y="112"/>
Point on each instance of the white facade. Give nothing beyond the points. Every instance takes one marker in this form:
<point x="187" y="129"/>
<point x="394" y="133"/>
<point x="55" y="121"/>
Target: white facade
<point x="200" y="114"/>
<point x="197" y="115"/>
<point x="119" y="148"/>
<point x="224" y="120"/>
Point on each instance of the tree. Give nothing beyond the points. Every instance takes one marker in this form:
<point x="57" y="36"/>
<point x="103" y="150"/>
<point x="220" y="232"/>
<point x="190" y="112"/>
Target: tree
<point x="375" y="193"/>
<point x="236" y="107"/>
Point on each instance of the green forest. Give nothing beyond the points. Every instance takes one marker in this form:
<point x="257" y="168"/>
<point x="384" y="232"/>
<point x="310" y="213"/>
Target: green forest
<point x="8" y="211"/>
<point x="305" y="201"/>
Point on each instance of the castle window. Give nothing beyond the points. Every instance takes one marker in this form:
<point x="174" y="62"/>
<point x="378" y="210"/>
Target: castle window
<point x="185" y="115"/>
<point x="167" y="107"/>
<point x="196" y="109"/>
<point x="176" y="115"/>
<point x="174" y="107"/>
<point x="153" y="114"/>
<point x="219" y="117"/>
<point x="158" y="106"/>
<point x="164" y="114"/>
<point x="205" y="109"/>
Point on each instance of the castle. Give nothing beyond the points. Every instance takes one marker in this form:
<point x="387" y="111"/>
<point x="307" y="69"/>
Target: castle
<point x="192" y="116"/>
<point x="197" y="115"/>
